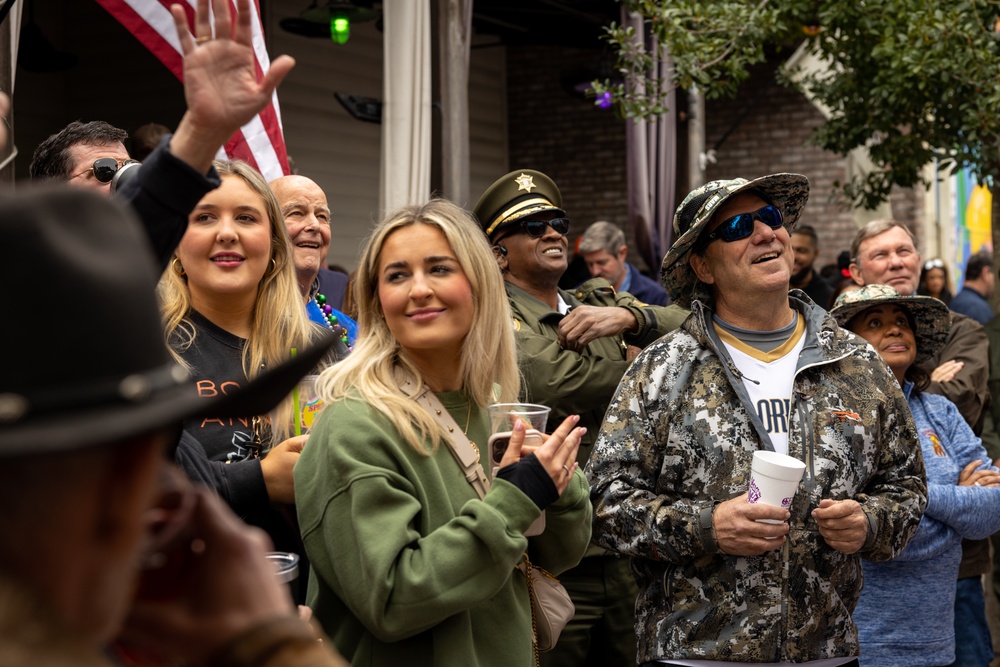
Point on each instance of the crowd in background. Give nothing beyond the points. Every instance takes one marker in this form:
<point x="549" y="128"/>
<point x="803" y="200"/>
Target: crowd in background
<point x="158" y="443"/>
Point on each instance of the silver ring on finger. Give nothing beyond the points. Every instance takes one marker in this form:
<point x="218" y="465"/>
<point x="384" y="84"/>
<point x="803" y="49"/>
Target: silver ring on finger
<point x="566" y="468"/>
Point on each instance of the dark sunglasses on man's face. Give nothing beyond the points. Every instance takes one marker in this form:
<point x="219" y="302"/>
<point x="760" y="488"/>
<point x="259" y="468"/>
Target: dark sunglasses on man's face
<point x="741" y="226"/>
<point x="536" y="228"/>
<point x="104" y="168"/>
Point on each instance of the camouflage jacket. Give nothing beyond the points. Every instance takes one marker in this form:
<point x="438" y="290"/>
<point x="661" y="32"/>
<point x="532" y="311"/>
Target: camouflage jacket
<point x="678" y="439"/>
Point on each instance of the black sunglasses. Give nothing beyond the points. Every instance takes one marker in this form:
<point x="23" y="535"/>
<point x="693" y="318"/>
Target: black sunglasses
<point x="741" y="226"/>
<point x="105" y="168"/>
<point x="536" y="228"/>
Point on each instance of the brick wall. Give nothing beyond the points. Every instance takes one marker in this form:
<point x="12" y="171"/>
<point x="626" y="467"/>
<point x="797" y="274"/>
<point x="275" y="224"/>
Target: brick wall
<point x="908" y="206"/>
<point x="557" y="131"/>
<point x="765" y="129"/>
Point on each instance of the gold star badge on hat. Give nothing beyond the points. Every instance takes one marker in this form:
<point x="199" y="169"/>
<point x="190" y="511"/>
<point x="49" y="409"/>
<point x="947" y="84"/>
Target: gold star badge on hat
<point x="525" y="182"/>
<point x="515" y="195"/>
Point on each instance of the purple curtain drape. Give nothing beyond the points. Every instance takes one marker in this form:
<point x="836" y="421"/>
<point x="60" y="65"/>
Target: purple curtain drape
<point x="652" y="159"/>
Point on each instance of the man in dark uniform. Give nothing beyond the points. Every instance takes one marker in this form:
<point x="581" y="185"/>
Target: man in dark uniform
<point x="805" y="246"/>
<point x="573" y="348"/>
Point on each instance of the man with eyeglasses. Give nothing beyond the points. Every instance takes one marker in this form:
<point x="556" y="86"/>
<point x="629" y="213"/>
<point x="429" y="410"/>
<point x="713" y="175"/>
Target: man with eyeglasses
<point x="85" y="155"/>
<point x="885" y="252"/>
<point x="573" y="347"/>
<point x="724" y="578"/>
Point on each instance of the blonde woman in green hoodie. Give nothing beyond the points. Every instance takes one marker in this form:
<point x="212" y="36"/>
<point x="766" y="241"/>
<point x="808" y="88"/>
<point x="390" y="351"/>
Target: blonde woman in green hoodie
<point x="410" y="565"/>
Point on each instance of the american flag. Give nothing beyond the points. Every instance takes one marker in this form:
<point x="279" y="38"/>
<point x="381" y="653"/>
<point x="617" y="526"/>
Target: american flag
<point x="260" y="142"/>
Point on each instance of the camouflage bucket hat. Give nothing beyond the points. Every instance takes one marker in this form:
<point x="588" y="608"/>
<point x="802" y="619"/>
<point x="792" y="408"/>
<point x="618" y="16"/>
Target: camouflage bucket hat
<point x="931" y="318"/>
<point x="789" y="192"/>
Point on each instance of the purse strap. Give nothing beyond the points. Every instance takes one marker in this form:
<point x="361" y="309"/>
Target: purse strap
<point x="468" y="458"/>
<point x="459" y="445"/>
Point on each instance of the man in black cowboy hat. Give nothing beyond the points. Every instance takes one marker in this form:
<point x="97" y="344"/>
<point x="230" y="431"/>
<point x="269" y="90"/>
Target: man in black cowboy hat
<point x="96" y="527"/>
<point x="722" y="577"/>
<point x="572" y="349"/>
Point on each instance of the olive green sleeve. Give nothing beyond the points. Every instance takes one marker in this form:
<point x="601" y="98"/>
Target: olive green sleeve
<point x="652" y="321"/>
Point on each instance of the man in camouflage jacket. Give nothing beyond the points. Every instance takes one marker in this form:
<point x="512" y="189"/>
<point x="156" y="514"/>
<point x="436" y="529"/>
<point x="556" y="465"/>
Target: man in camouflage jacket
<point x="670" y="470"/>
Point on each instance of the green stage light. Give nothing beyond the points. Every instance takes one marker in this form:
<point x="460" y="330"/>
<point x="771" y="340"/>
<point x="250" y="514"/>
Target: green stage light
<point x="340" y="29"/>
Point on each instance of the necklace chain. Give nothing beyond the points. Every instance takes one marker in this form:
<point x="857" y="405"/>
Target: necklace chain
<point x="465" y="431"/>
<point x="468" y="422"/>
<point x="331" y="320"/>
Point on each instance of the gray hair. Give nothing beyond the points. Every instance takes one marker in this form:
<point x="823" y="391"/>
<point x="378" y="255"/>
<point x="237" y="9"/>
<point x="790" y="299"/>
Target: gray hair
<point x="602" y="235"/>
<point x="874" y="228"/>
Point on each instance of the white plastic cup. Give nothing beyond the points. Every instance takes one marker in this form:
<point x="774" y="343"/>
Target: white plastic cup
<point x="774" y="478"/>
<point x="503" y="416"/>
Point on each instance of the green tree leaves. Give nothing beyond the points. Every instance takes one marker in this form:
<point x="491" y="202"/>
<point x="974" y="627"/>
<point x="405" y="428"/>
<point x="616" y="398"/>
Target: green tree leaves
<point x="911" y="80"/>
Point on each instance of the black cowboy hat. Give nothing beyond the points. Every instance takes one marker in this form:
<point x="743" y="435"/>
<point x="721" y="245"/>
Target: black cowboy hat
<point x="84" y="359"/>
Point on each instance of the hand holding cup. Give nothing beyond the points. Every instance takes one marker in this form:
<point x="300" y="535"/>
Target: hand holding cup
<point x="774" y="478"/>
<point x="748" y="529"/>
<point x="503" y="417"/>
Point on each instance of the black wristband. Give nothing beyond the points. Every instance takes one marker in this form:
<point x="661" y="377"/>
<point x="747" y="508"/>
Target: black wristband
<point x="530" y="477"/>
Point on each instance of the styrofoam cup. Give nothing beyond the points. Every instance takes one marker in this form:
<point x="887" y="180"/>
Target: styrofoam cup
<point x="774" y="479"/>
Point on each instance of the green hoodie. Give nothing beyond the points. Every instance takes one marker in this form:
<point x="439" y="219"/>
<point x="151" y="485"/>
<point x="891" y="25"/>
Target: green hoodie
<point x="410" y="567"/>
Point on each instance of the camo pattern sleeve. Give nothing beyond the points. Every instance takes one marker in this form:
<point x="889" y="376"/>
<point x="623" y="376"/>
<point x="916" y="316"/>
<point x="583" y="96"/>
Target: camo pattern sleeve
<point x="635" y="512"/>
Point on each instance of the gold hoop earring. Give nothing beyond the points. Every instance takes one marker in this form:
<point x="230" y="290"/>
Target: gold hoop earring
<point x="176" y="265"/>
<point x="274" y="267"/>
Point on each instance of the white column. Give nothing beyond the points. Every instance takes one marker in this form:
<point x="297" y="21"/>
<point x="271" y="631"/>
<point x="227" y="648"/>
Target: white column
<point x="406" y="106"/>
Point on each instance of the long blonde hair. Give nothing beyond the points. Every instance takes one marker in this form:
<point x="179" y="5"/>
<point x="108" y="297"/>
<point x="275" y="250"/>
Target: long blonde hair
<point x="488" y="356"/>
<point x="278" y="322"/>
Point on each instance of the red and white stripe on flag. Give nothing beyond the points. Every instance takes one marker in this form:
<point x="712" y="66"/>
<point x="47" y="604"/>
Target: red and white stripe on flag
<point x="260" y="142"/>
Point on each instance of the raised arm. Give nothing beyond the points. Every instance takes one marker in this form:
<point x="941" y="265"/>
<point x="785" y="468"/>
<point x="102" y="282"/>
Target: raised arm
<point x="222" y="94"/>
<point x="220" y="80"/>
